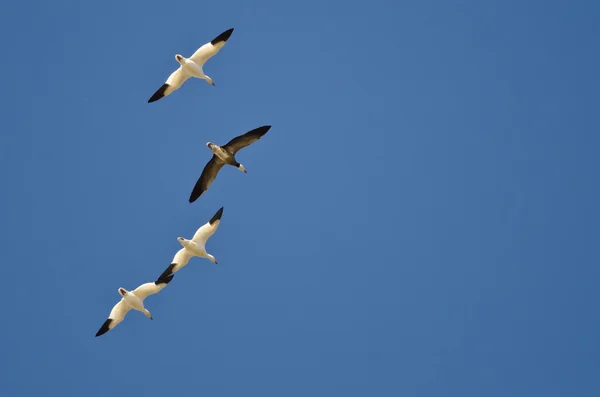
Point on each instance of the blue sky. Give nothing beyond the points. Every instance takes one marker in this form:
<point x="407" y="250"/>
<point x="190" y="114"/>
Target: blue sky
<point x="421" y="219"/>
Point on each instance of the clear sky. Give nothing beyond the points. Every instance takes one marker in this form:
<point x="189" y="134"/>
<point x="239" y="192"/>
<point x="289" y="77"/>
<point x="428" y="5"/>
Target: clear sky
<point x="421" y="220"/>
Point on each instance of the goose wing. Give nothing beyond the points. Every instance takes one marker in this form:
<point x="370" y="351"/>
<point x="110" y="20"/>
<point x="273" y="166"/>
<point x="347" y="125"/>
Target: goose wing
<point x="175" y="80"/>
<point x="208" y="50"/>
<point x="117" y="314"/>
<point x="146" y="289"/>
<point x="181" y="258"/>
<point x="248" y="138"/>
<point x="211" y="169"/>
<point x="208" y="229"/>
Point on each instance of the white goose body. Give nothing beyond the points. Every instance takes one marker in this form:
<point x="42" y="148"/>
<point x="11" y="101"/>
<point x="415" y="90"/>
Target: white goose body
<point x="194" y="247"/>
<point x="192" y="66"/>
<point x="133" y="300"/>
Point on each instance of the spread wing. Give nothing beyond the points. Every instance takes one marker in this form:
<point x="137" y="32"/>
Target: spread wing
<point x="181" y="258"/>
<point x="208" y="229"/>
<point x="175" y="80"/>
<point x="208" y="50"/>
<point x="146" y="289"/>
<point x="211" y="169"/>
<point x="242" y="141"/>
<point x="117" y="314"/>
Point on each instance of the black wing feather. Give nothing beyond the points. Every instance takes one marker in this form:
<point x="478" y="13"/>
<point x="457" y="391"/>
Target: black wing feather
<point x="105" y="327"/>
<point x="208" y="176"/>
<point x="159" y="93"/>
<point x="222" y="37"/>
<point x="168" y="272"/>
<point x="217" y="216"/>
<point x="242" y="141"/>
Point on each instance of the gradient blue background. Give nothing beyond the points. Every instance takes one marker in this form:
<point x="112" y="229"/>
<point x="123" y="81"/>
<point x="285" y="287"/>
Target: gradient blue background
<point x="421" y="220"/>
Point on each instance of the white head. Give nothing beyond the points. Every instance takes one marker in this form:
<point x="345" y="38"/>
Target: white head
<point x="241" y="168"/>
<point x="122" y="291"/>
<point x="183" y="241"/>
<point x="210" y="145"/>
<point x="209" y="80"/>
<point x="180" y="59"/>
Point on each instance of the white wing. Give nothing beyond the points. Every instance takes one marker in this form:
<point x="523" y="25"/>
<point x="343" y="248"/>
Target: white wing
<point x="208" y="229"/>
<point x="205" y="232"/>
<point x="175" y="80"/>
<point x="181" y="258"/>
<point x="204" y="53"/>
<point x="208" y="50"/>
<point x="148" y="289"/>
<point x="117" y="314"/>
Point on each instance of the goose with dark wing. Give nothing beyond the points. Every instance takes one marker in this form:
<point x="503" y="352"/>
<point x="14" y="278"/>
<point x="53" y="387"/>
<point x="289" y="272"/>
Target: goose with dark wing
<point x="225" y="155"/>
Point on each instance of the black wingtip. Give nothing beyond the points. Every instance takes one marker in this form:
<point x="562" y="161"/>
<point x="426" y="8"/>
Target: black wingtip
<point x="165" y="275"/>
<point x="105" y="327"/>
<point x="222" y="37"/>
<point x="264" y="128"/>
<point x="259" y="131"/>
<point x="164" y="280"/>
<point x="194" y="198"/>
<point x="159" y="93"/>
<point x="217" y="216"/>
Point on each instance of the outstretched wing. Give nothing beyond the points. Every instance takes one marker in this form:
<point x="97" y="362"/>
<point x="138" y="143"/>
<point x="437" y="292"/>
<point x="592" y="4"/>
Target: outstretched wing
<point x="242" y="141"/>
<point x="175" y="80"/>
<point x="208" y="229"/>
<point x="181" y="258"/>
<point x="208" y="50"/>
<point x="146" y="289"/>
<point x="117" y="314"/>
<point x="211" y="169"/>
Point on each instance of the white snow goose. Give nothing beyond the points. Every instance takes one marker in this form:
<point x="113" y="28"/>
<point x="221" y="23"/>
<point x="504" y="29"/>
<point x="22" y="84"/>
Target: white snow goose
<point x="194" y="247"/>
<point x="192" y="66"/>
<point x="133" y="300"/>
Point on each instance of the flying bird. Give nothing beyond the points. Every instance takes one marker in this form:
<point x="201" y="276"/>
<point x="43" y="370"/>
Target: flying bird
<point x="194" y="247"/>
<point x="133" y="300"/>
<point x="192" y="66"/>
<point x="225" y="155"/>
